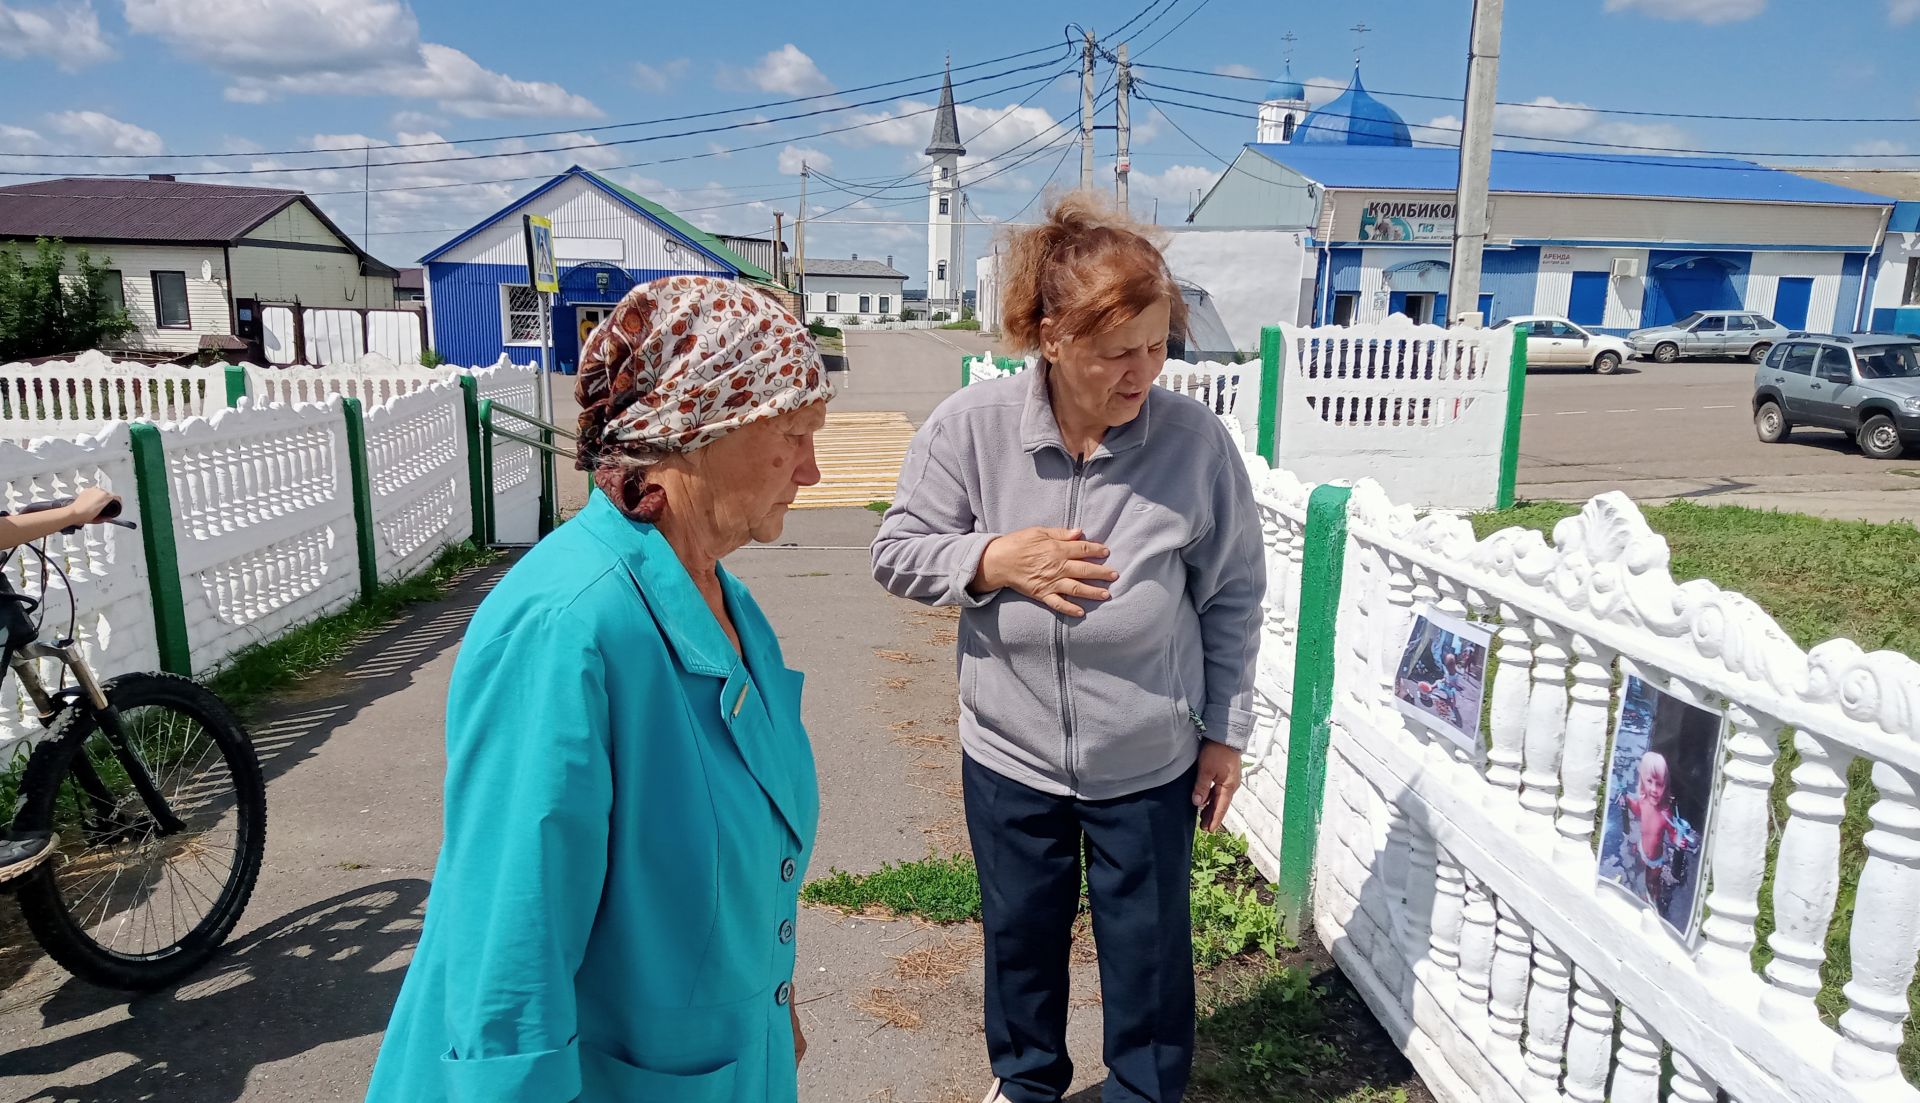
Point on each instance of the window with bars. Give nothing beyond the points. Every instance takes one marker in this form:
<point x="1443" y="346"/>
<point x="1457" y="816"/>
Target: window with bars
<point x="519" y="314"/>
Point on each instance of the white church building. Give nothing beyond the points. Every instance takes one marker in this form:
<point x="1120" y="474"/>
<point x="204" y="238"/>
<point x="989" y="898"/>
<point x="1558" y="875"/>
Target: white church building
<point x="946" y="222"/>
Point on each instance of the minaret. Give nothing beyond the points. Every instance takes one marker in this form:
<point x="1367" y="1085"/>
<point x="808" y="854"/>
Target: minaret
<point x="945" y="280"/>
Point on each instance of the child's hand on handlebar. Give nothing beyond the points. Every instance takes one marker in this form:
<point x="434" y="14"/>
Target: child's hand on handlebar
<point x="92" y="505"/>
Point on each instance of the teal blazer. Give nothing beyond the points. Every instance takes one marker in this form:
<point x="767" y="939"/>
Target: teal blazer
<point x="630" y="807"/>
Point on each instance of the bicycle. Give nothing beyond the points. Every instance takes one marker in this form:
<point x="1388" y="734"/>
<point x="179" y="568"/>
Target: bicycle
<point x="154" y="799"/>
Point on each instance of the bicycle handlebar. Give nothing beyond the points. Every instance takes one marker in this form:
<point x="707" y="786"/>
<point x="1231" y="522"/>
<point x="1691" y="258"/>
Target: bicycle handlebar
<point x="110" y="515"/>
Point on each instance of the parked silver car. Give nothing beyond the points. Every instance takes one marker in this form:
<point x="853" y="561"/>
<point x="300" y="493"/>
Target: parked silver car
<point x="1867" y="386"/>
<point x="1730" y="333"/>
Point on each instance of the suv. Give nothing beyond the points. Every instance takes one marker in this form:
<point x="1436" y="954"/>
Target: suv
<point x="1736" y="333"/>
<point x="1866" y="385"/>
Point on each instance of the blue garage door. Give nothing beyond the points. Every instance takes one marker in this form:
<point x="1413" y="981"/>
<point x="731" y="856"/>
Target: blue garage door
<point x="1790" y="304"/>
<point x="1587" y="305"/>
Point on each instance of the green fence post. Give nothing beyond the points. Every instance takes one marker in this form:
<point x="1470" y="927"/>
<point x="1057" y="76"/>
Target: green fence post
<point x="966" y="375"/>
<point x="1516" y="400"/>
<point x="477" y="467"/>
<point x="362" y="498"/>
<point x="1272" y="358"/>
<point x="486" y="460"/>
<point x="1324" y="557"/>
<point x="236" y="384"/>
<point x="154" y="493"/>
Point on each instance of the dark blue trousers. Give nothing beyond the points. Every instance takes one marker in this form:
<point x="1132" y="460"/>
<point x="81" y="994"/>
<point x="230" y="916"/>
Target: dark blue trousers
<point x="1139" y="855"/>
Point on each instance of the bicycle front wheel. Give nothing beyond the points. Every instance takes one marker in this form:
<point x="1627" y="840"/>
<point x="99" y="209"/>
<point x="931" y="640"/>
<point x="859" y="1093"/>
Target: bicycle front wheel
<point x="141" y="892"/>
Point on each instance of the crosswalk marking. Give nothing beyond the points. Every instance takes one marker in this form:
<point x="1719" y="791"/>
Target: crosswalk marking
<point x="860" y="456"/>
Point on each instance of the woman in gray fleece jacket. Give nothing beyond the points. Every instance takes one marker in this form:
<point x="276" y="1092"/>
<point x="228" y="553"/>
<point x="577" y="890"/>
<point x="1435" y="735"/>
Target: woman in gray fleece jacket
<point x="1100" y="537"/>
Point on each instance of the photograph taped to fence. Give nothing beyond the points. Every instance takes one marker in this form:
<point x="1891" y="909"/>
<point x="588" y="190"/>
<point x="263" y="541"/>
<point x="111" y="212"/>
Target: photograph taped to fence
<point x="1660" y="796"/>
<point x="1443" y="675"/>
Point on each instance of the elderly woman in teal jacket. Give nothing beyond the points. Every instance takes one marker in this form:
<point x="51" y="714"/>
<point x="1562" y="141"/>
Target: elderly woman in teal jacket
<point x="630" y="796"/>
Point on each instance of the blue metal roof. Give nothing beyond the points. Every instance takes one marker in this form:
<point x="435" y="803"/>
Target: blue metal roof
<point x="1354" y="119"/>
<point x="1437" y="168"/>
<point x="1286" y="88"/>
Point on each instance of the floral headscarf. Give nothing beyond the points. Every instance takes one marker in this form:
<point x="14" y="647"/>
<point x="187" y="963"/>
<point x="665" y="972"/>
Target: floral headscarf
<point x="685" y="360"/>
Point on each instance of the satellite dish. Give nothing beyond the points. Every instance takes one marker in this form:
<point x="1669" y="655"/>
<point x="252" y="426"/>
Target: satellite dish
<point x="206" y="270"/>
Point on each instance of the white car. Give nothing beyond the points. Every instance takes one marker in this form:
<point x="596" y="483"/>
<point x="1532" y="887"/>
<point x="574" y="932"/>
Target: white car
<point x="1557" y="343"/>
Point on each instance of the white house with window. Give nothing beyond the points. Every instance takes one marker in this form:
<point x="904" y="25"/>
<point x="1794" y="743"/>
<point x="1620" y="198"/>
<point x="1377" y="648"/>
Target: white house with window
<point x="194" y="263"/>
<point x="838" y="290"/>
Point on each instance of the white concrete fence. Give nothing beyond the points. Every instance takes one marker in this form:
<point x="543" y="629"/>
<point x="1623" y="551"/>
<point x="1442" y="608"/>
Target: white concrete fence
<point x="260" y="502"/>
<point x="1422" y="410"/>
<point x="1458" y="888"/>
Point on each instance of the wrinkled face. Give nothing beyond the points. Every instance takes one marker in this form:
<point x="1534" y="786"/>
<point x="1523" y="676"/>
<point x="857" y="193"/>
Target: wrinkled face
<point x="749" y="477"/>
<point x="1105" y="376"/>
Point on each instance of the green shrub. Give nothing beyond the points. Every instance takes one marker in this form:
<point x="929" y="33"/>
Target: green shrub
<point x="821" y="329"/>
<point x="431" y="359"/>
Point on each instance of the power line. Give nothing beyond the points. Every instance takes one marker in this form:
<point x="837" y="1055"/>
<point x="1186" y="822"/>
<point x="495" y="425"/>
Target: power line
<point x="1705" y="116"/>
<point x="1542" y="138"/>
<point x="1195" y="11"/>
<point x="698" y="132"/>
<point x="546" y="133"/>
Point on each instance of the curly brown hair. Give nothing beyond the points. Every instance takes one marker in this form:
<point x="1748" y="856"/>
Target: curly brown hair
<point x="1087" y="267"/>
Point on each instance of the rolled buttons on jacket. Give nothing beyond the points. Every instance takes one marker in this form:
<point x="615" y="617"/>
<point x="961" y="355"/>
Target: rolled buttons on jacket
<point x="787" y="869"/>
<point x="783" y="993"/>
<point x="786" y="931"/>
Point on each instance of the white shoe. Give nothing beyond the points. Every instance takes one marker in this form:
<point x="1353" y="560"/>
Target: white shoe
<point x="993" y="1094"/>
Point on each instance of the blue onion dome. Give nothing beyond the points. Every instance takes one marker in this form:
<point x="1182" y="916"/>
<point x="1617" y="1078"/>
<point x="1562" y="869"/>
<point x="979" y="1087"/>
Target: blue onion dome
<point x="1354" y="119"/>
<point x="1286" y="88"/>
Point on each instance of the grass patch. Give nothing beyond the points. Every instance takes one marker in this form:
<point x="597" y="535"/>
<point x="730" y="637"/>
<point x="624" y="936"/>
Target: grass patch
<point x="879" y="507"/>
<point x="251" y="677"/>
<point x="1232" y="906"/>
<point x="1820" y="579"/>
<point x="972" y="324"/>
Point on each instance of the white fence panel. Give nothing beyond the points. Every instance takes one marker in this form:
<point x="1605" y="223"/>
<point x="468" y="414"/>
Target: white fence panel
<point x="1458" y="887"/>
<point x="106" y="573"/>
<point x="1212" y="383"/>
<point x="334" y="336"/>
<point x="516" y="471"/>
<point x="70" y="398"/>
<point x="417" y="468"/>
<point x="373" y="380"/>
<point x="263" y="519"/>
<point x="1420" y="408"/>
<point x="277" y="335"/>
<point x="394" y="334"/>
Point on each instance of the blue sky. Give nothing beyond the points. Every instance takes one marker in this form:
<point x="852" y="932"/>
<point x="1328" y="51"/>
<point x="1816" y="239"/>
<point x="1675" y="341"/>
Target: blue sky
<point x="127" y="78"/>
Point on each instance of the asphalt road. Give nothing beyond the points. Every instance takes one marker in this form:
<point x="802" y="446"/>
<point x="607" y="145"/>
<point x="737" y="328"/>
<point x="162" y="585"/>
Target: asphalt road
<point x="1685" y="430"/>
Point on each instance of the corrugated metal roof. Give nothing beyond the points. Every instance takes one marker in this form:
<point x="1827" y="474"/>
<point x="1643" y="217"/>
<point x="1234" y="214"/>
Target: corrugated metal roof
<point x="93" y="209"/>
<point x="1901" y="186"/>
<point x="748" y="270"/>
<point x="828" y="266"/>
<point x="1436" y="168"/>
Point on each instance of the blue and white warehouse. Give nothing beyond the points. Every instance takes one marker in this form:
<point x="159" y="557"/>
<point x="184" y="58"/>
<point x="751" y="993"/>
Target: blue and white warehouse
<point x="606" y="240"/>
<point x="1611" y="241"/>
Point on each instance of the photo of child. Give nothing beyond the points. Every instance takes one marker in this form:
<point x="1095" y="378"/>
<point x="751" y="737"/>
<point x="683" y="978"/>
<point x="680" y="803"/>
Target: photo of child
<point x="1442" y="676"/>
<point x="1660" y="792"/>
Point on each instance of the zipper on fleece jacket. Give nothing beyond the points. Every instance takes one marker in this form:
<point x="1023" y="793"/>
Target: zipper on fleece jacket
<point x="1060" y="637"/>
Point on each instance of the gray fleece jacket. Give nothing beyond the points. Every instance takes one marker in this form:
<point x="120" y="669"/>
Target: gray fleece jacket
<point x="1115" y="702"/>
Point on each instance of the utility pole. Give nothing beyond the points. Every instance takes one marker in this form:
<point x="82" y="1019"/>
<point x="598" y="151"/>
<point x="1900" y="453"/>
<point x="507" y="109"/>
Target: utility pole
<point x="1470" y="214"/>
<point x="779" y="247"/>
<point x="800" y="246"/>
<point x="1086" y="113"/>
<point x="1123" y="119"/>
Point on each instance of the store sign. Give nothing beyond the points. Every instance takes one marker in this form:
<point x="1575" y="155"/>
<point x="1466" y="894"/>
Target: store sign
<point x="1406" y="220"/>
<point x="1556" y="260"/>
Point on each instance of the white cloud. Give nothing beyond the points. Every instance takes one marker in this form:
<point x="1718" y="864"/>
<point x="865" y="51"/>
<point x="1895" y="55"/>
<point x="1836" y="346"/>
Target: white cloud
<point x="1903" y="12"/>
<point x="793" y="156"/>
<point x="341" y="48"/>
<point x="415" y="120"/>
<point x="787" y="71"/>
<point x="1173" y="186"/>
<point x="1323" y="90"/>
<point x="69" y="34"/>
<point x="99" y="133"/>
<point x="1695" y="11"/>
<point x="660" y="78"/>
<point x="1237" y="70"/>
<point x="1546" y="117"/>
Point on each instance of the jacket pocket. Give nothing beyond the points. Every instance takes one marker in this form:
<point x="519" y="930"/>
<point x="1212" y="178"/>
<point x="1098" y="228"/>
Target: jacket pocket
<point x="608" y="1078"/>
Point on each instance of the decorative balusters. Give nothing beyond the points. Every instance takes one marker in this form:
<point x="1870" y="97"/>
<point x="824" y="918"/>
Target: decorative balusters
<point x="1449" y="904"/>
<point x="1636" y="1071"/>
<point x="1476" y="961"/>
<point x="1690" y="1085"/>
<point x="1546" y="726"/>
<point x="1886" y="933"/>
<point x="1507" y="986"/>
<point x="1807" y="876"/>
<point x="1740" y="852"/>
<point x="1416" y="918"/>
<point x="1580" y="758"/>
<point x="1589" y="1040"/>
<point x="1547" y="1018"/>
<point x="1509" y="720"/>
<point x="1392" y="868"/>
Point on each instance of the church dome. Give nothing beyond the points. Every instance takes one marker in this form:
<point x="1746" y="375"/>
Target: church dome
<point x="1354" y="119"/>
<point x="1286" y="88"/>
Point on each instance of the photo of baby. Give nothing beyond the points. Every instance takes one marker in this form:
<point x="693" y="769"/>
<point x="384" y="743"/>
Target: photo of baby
<point x="1442" y="676"/>
<point x="1660" y="794"/>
